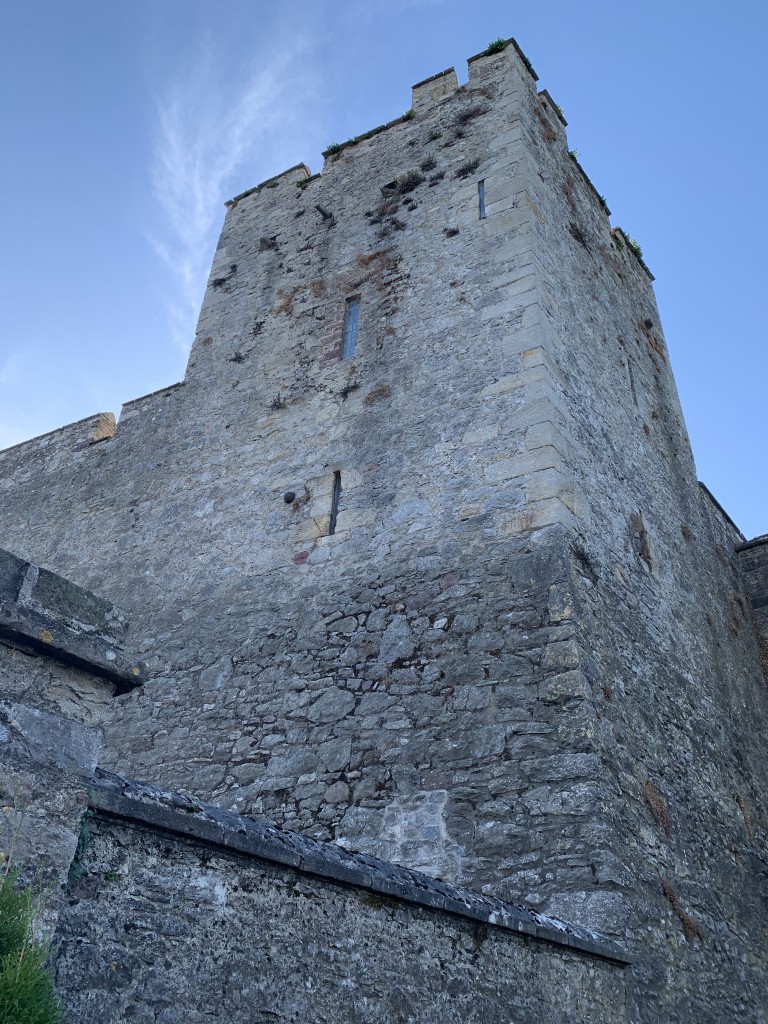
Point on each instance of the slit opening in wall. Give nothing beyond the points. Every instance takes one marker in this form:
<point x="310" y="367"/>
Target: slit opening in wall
<point x="349" y="333"/>
<point x="335" y="499"/>
<point x="481" y="199"/>
<point x="632" y="381"/>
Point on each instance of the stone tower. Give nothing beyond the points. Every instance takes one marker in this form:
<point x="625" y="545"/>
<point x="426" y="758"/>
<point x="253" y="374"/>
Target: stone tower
<point x="416" y="553"/>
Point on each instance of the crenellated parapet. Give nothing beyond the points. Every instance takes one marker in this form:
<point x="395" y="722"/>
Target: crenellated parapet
<point x="297" y="220"/>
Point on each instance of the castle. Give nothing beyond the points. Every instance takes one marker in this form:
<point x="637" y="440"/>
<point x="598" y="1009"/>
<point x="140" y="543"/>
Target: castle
<point x="414" y="566"/>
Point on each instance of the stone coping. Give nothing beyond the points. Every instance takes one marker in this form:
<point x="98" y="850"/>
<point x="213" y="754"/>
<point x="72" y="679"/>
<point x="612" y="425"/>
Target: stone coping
<point x="184" y="816"/>
<point x="756" y="542"/>
<point x="434" y="78"/>
<point x="80" y="429"/>
<point x="46" y="613"/>
<point x="706" y="491"/>
<point x="154" y="394"/>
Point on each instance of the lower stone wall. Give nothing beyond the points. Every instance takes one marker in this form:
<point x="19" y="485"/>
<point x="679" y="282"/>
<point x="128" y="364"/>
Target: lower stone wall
<point x="178" y="913"/>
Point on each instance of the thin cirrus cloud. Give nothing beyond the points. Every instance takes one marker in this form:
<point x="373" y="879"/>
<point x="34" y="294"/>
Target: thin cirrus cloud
<point x="207" y="131"/>
<point x="14" y="421"/>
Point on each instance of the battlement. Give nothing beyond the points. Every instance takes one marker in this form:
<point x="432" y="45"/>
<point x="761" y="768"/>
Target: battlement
<point x="484" y="68"/>
<point x="442" y="108"/>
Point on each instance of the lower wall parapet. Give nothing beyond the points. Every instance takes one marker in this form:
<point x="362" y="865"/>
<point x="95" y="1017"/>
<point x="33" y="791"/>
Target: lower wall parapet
<point x="182" y="912"/>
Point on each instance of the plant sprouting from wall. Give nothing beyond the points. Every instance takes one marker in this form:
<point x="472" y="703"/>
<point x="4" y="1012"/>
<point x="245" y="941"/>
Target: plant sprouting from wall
<point x="26" y="988"/>
<point x="408" y="182"/>
<point x="495" y="47"/>
<point x="466" y="169"/>
<point x="634" y="245"/>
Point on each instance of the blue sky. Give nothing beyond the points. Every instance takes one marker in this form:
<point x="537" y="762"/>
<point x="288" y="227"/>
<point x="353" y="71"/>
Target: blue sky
<point x="127" y="124"/>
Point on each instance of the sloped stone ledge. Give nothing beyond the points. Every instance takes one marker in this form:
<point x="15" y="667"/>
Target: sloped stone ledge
<point x="46" y="613"/>
<point x="184" y="816"/>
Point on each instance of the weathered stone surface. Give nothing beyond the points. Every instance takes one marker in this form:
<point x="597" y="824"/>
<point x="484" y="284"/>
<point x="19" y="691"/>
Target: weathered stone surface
<point x="753" y="563"/>
<point x="105" y="427"/>
<point x="179" y="912"/>
<point x="42" y="611"/>
<point x="54" y="694"/>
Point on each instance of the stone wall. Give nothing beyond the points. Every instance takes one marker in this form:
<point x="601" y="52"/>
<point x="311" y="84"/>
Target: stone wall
<point x="753" y="563"/>
<point x="664" y="636"/>
<point x="189" y="914"/>
<point x="167" y="909"/>
<point x="61" y="660"/>
<point x="408" y="684"/>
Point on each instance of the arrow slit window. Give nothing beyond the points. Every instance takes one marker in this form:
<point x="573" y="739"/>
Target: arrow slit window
<point x="335" y="499"/>
<point x="349" y="334"/>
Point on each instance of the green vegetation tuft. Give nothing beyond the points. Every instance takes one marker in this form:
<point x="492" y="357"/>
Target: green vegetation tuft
<point x="26" y="987"/>
<point x="467" y="168"/>
<point x="409" y="181"/>
<point x="635" y="247"/>
<point x="495" y="47"/>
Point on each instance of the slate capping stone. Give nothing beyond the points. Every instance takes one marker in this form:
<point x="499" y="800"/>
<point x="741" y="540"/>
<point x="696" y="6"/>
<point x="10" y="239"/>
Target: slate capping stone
<point x="267" y="181"/>
<point x="756" y="542"/>
<point x="45" y="613"/>
<point x="141" y="803"/>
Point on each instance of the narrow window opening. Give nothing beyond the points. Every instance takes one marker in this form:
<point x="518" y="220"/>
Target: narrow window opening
<point x="481" y="199"/>
<point x="349" y="336"/>
<point x="632" y="381"/>
<point x="335" y="499"/>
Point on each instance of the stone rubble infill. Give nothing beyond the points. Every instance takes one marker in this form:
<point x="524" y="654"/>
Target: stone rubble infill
<point x="183" y="815"/>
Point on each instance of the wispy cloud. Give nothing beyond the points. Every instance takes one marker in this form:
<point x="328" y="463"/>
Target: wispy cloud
<point x="18" y="418"/>
<point x="375" y="12"/>
<point x="207" y="129"/>
<point x="12" y="368"/>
